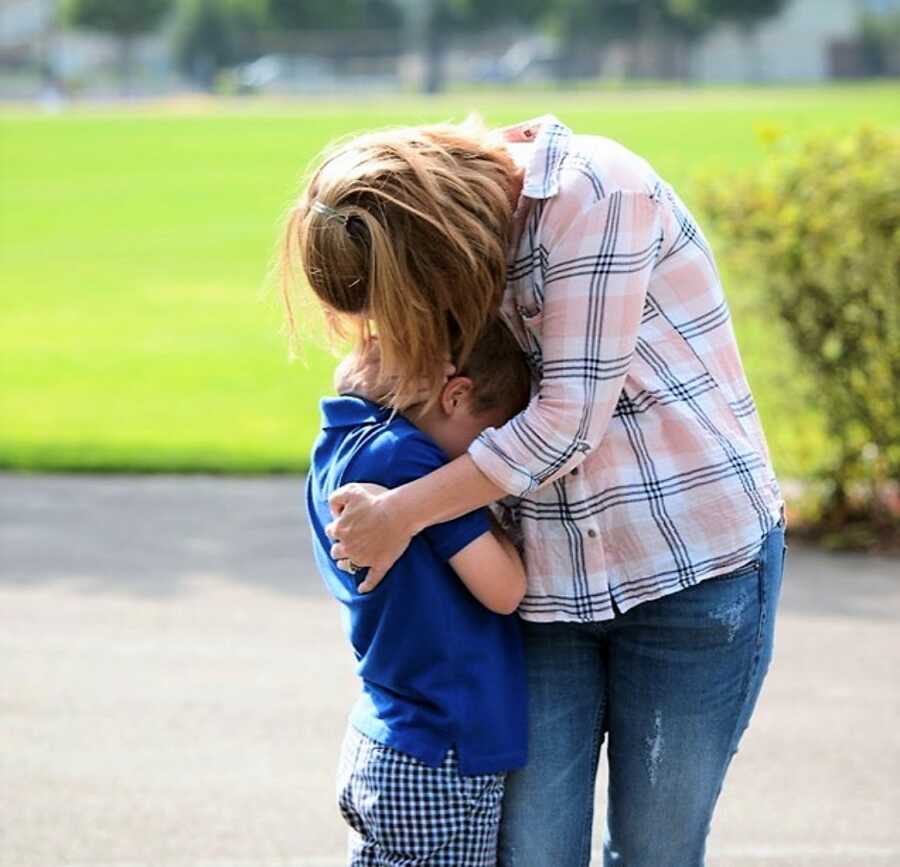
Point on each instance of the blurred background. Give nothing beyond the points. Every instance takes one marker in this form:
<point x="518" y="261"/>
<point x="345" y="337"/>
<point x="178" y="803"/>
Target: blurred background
<point x="173" y="680"/>
<point x="100" y="48"/>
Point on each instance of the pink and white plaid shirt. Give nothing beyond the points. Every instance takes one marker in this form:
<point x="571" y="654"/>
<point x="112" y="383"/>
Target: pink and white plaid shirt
<point x="640" y="466"/>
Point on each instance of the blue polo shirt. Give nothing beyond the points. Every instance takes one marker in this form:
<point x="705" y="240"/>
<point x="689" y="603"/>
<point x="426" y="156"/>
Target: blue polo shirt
<point x="438" y="669"/>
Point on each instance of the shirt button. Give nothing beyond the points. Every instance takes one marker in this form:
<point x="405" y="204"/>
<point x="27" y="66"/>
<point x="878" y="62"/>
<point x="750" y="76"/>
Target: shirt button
<point x="592" y="534"/>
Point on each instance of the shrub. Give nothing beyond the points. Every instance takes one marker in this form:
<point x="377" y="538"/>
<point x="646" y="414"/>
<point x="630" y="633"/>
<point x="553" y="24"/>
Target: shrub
<point x="818" y="225"/>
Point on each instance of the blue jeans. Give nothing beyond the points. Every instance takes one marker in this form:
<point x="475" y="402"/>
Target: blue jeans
<point x="671" y="684"/>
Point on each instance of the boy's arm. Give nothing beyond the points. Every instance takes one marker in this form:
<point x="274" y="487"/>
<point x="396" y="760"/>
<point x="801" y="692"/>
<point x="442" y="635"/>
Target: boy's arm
<point x="490" y="566"/>
<point x="473" y="544"/>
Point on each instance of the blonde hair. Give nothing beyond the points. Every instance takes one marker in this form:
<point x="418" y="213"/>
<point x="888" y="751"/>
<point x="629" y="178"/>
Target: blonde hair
<point x="420" y="256"/>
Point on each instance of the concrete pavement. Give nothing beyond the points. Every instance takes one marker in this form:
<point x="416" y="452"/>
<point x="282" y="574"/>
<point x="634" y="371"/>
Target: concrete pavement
<point x="173" y="687"/>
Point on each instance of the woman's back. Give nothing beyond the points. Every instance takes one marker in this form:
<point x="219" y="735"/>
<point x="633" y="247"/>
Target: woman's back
<point x="614" y="293"/>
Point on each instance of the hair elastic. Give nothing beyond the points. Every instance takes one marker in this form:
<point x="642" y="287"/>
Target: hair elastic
<point x="322" y="208"/>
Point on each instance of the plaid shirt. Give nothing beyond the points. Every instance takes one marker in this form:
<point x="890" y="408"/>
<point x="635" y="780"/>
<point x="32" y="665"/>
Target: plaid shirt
<point x="640" y="466"/>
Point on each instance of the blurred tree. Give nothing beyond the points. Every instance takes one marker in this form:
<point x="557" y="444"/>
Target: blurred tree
<point x="690" y="20"/>
<point x="212" y="34"/>
<point x="476" y="15"/>
<point x="435" y="22"/>
<point x="655" y="29"/>
<point x="125" y="19"/>
<point x="440" y="19"/>
<point x="747" y="15"/>
<point x="335" y="14"/>
<point x="881" y="42"/>
<point x="581" y="25"/>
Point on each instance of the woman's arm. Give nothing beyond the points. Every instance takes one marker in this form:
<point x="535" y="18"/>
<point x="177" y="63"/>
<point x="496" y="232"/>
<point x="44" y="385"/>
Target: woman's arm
<point x="596" y="279"/>
<point x="375" y="526"/>
<point x="601" y="255"/>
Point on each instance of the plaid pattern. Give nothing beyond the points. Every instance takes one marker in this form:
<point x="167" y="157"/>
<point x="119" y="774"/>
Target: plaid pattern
<point x="404" y="812"/>
<point x="640" y="466"/>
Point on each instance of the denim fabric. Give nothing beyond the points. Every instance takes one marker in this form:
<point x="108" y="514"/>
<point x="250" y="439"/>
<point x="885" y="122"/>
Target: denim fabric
<point x="670" y="685"/>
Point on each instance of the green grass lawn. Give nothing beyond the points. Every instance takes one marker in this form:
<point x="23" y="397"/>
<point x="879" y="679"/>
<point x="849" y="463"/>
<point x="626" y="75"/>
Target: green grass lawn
<point x="136" y="325"/>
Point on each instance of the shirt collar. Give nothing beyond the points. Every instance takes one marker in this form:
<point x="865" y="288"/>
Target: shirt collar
<point x="551" y="139"/>
<point x="350" y="410"/>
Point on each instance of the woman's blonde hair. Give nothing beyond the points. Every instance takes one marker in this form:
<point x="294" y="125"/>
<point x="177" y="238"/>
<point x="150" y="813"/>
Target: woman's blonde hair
<point x="419" y="250"/>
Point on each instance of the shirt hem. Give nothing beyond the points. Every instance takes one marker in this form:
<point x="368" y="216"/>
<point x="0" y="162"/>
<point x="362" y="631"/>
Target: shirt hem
<point x="556" y="615"/>
<point x="433" y="754"/>
<point x="498" y="764"/>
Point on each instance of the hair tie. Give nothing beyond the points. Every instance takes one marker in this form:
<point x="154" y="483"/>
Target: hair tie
<point x="328" y="211"/>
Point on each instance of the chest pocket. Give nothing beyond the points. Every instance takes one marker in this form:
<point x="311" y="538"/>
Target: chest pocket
<point x="528" y="310"/>
<point x="529" y="296"/>
<point x="524" y="296"/>
<point x="527" y="329"/>
<point x="522" y="308"/>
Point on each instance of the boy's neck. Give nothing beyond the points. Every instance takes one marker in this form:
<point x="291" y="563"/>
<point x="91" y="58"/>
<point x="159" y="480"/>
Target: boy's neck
<point x="427" y="422"/>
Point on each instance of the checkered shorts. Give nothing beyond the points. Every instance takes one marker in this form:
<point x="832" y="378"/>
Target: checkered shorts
<point x="404" y="812"/>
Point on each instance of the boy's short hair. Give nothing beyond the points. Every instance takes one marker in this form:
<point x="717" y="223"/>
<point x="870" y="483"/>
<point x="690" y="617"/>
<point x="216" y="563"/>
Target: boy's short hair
<point x="501" y="377"/>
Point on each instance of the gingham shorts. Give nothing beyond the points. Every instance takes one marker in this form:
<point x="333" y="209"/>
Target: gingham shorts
<point x="404" y="812"/>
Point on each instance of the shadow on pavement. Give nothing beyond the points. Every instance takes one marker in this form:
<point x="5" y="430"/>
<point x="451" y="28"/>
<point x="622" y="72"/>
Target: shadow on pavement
<point x="150" y="535"/>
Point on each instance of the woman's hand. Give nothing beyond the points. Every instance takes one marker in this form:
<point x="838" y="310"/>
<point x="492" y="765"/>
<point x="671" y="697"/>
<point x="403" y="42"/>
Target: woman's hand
<point x="358" y="373"/>
<point x="373" y="525"/>
<point x="366" y="531"/>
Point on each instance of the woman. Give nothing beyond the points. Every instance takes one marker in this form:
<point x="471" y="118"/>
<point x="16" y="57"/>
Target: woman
<point x="652" y="521"/>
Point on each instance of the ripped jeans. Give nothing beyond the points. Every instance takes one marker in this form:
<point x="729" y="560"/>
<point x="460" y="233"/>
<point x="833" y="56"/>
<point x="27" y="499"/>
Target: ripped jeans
<point x="671" y="684"/>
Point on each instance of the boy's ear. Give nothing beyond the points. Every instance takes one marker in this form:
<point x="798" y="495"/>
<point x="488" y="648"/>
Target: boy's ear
<point x="456" y="393"/>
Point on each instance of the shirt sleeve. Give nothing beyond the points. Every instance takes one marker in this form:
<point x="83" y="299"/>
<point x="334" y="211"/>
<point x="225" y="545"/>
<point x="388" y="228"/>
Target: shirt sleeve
<point x="418" y="457"/>
<point x="598" y="265"/>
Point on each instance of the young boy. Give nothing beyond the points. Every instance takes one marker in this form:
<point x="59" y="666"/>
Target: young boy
<point x="442" y="712"/>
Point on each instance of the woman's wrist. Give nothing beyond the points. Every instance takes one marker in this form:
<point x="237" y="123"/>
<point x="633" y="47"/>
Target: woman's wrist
<point x="442" y="495"/>
<point x="396" y="502"/>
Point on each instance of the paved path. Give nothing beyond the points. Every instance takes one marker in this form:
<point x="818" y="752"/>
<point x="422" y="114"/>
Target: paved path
<point x="173" y="687"/>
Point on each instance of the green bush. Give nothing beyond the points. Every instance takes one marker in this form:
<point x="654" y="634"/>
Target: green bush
<point x="818" y="226"/>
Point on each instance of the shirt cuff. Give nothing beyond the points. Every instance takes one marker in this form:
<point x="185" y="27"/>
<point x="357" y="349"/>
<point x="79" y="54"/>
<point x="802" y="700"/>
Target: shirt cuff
<point x="499" y="467"/>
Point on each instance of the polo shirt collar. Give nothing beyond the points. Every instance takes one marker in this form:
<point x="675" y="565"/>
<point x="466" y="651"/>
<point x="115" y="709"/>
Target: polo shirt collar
<point x="551" y="139"/>
<point x="350" y="410"/>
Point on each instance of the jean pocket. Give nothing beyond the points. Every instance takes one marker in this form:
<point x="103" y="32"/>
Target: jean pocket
<point x="744" y="571"/>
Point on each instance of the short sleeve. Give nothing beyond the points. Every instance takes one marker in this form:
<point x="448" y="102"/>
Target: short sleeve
<point x="416" y="456"/>
<point x="451" y="537"/>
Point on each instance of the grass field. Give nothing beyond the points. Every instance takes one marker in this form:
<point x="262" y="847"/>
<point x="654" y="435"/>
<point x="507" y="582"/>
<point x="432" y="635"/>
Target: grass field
<point x="136" y="329"/>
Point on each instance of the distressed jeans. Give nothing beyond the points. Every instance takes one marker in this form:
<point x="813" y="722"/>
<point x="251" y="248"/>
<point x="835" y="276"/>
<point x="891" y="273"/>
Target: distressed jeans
<point x="671" y="685"/>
